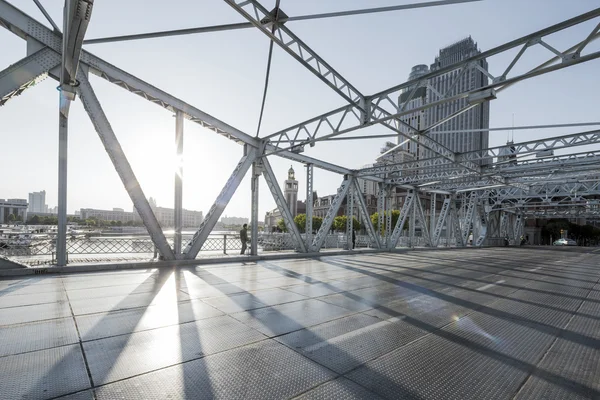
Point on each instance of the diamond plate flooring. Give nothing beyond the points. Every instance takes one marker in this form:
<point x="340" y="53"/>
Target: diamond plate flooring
<point x="497" y="323"/>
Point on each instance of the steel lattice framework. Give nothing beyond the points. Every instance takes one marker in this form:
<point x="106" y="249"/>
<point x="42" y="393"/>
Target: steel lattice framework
<point x="477" y="191"/>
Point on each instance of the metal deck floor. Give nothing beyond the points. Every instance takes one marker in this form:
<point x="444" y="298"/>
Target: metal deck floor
<point x="497" y="323"/>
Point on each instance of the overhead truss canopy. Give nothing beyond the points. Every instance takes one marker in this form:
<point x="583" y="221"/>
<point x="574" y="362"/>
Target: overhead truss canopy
<point x="525" y="178"/>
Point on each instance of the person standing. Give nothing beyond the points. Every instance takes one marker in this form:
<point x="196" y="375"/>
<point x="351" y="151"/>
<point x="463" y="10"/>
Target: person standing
<point x="244" y="237"/>
<point x="353" y="239"/>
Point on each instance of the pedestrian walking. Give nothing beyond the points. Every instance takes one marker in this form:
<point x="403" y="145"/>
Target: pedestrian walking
<point x="244" y="237"/>
<point x="353" y="239"/>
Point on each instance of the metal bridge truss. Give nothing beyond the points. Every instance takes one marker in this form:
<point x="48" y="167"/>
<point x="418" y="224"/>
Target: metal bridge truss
<point x="492" y="190"/>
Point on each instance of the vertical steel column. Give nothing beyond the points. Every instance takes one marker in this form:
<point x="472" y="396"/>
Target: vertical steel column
<point x="412" y="224"/>
<point x="61" y="238"/>
<point x="381" y="211"/>
<point x="64" y="103"/>
<point x="349" y="216"/>
<point x="178" y="210"/>
<point x="256" y="172"/>
<point x="432" y="208"/>
<point x="309" y="206"/>
<point x="388" y="214"/>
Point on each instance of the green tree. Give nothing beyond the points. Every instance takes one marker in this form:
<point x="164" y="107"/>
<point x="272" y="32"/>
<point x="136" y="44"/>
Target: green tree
<point x="35" y="220"/>
<point x="11" y="218"/>
<point x="339" y="223"/>
<point x="317" y="222"/>
<point x="19" y="218"/>
<point x="395" y="216"/>
<point x="281" y="225"/>
<point x="300" y="221"/>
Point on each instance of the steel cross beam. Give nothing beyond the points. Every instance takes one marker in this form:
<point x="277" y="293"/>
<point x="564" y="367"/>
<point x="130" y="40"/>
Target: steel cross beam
<point x="420" y="214"/>
<point x="468" y="218"/>
<point x="279" y="198"/>
<point x="213" y="215"/>
<point x="404" y="212"/>
<point x="331" y="213"/>
<point x="260" y="17"/>
<point x="28" y="28"/>
<point x="441" y="221"/>
<point x="517" y="149"/>
<point x="364" y="215"/>
<point x="117" y="156"/>
<point x="298" y="135"/>
<point x="455" y="223"/>
<point x="481" y="225"/>
<point x="26" y="73"/>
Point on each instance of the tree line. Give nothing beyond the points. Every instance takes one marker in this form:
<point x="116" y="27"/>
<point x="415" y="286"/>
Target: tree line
<point x="339" y="222"/>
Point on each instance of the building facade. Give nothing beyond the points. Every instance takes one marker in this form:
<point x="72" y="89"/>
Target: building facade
<point x="165" y="216"/>
<point x="116" y="214"/>
<point x="457" y="81"/>
<point x="417" y="119"/>
<point x="233" y="220"/>
<point x="15" y="207"/>
<point x="37" y="202"/>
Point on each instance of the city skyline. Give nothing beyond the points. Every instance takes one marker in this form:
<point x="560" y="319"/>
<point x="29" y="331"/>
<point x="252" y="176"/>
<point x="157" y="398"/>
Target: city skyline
<point x="146" y="132"/>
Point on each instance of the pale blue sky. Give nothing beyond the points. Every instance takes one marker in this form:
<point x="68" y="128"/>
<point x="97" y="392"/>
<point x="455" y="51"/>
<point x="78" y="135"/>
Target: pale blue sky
<point x="222" y="73"/>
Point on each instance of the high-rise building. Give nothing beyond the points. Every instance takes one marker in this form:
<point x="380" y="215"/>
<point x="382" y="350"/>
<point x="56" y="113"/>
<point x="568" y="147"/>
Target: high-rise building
<point x="459" y="80"/>
<point x="418" y="98"/>
<point x="37" y="202"/>
<point x="290" y="192"/>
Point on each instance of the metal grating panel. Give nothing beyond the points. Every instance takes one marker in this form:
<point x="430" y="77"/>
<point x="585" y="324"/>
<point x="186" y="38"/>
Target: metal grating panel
<point x="244" y="373"/>
<point x="33" y="298"/>
<point x="316" y="289"/>
<point x="276" y="320"/>
<point x="85" y="395"/>
<point x="15" y="339"/>
<point x="18" y="315"/>
<point x="340" y="388"/>
<point x="346" y="343"/>
<point x="96" y="326"/>
<point x="115" y="303"/>
<point x="121" y="357"/>
<point x="441" y="366"/>
<point x="43" y="374"/>
<point x="569" y="371"/>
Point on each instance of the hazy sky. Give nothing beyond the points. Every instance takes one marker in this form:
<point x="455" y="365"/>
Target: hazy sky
<point x="222" y="73"/>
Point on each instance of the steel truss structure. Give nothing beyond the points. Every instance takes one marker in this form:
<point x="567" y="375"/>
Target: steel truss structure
<point x="483" y="193"/>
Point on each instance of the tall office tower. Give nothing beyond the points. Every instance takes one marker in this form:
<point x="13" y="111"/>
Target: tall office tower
<point x="37" y="202"/>
<point x="454" y="82"/>
<point x="418" y="97"/>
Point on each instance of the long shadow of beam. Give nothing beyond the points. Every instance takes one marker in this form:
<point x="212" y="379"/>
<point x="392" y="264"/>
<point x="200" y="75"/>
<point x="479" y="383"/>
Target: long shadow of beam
<point x="158" y="279"/>
<point x="444" y="263"/>
<point x="20" y="285"/>
<point x="402" y="391"/>
<point x="530" y="369"/>
<point x="489" y="265"/>
<point x="472" y="290"/>
<point x="540" y="326"/>
<point x="194" y="375"/>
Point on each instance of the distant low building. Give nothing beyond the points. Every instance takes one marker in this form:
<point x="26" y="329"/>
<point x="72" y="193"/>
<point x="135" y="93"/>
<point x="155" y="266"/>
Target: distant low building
<point x="115" y="214"/>
<point x="16" y="207"/>
<point x="233" y="220"/>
